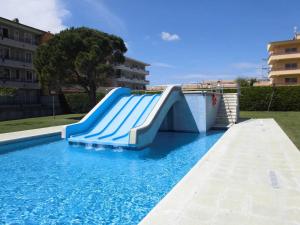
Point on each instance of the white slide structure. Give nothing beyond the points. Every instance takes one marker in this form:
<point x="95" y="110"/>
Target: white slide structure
<point x="123" y="119"/>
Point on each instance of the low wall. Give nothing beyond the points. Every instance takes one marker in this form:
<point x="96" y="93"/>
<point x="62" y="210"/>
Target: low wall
<point x="14" y="112"/>
<point x="195" y="112"/>
<point x="21" y="111"/>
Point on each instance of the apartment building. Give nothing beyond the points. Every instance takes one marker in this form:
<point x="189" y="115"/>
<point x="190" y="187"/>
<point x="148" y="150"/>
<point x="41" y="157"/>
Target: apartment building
<point x="132" y="73"/>
<point x="18" y="43"/>
<point x="284" y="61"/>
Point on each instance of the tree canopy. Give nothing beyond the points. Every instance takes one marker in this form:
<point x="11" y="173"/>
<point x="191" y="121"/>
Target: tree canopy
<point x="245" y="82"/>
<point x="79" y="56"/>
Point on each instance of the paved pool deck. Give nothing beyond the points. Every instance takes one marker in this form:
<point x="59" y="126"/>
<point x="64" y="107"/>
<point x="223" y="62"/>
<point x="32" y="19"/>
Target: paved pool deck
<point x="26" y="134"/>
<point x="250" y="176"/>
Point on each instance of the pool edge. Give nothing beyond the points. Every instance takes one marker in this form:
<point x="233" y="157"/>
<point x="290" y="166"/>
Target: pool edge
<point x="19" y="136"/>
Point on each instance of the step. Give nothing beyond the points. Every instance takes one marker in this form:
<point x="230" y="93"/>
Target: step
<point x="232" y="115"/>
<point x="222" y="125"/>
<point x="226" y="117"/>
<point x="230" y="94"/>
<point x="227" y="104"/>
<point x="225" y="121"/>
<point x="229" y="98"/>
<point x="233" y="118"/>
<point x="227" y="107"/>
<point x="229" y="101"/>
<point x="227" y="112"/>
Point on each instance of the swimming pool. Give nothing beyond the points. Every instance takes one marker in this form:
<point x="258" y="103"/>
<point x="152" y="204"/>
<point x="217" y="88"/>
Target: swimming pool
<point x="56" y="183"/>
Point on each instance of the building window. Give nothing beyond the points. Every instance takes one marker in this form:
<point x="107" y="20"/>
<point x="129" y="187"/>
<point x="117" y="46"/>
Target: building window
<point x="291" y="80"/>
<point x="28" y="38"/>
<point x="28" y="57"/>
<point x="4" y="74"/>
<point x="17" y="74"/>
<point x="4" y="53"/>
<point x="28" y="75"/>
<point x="290" y="66"/>
<point x="5" y="32"/>
<point x="16" y="35"/>
<point x="290" y="50"/>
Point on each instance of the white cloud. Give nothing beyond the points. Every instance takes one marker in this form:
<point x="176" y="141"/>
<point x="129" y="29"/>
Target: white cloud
<point x="166" y="36"/>
<point x="127" y="45"/>
<point x="162" y="65"/>
<point x="44" y="14"/>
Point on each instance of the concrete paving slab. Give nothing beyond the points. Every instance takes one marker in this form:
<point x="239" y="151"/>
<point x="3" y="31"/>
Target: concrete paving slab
<point x="26" y="134"/>
<point x="250" y="176"/>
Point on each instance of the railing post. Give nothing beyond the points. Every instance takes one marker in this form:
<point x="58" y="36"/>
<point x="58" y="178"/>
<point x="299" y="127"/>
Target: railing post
<point x="238" y="101"/>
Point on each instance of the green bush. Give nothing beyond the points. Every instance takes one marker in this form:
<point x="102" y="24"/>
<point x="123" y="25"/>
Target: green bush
<point x="258" y="98"/>
<point x="251" y="99"/>
<point x="79" y="103"/>
<point x="6" y="91"/>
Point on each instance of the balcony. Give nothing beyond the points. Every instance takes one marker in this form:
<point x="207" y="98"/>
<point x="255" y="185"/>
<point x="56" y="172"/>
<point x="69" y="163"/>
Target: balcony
<point x="18" y="44"/>
<point x="283" y="71"/>
<point x="282" y="55"/>
<point x="21" y="64"/>
<point x="19" y="84"/>
<point x="133" y="81"/>
<point x="132" y="69"/>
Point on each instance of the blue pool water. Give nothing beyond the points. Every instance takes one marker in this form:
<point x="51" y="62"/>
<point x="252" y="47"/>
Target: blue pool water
<point x="56" y="183"/>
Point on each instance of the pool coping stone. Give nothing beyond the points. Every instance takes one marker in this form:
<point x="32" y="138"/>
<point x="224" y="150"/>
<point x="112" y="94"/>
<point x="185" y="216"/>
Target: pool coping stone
<point x="11" y="137"/>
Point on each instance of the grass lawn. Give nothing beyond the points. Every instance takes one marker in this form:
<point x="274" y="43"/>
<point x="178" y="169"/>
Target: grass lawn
<point x="288" y="121"/>
<point x="38" y="122"/>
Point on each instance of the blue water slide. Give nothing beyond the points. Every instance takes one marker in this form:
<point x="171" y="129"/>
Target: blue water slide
<point x="123" y="119"/>
<point x="95" y="115"/>
<point x="141" y="118"/>
<point x="119" y="136"/>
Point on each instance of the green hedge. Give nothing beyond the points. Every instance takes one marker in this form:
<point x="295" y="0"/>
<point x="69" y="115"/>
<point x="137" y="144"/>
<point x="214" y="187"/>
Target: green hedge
<point x="79" y="103"/>
<point x="6" y="91"/>
<point x="251" y="99"/>
<point x="258" y="98"/>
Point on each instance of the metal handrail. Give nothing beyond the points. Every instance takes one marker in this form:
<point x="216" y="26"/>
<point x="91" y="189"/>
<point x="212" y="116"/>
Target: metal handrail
<point x="283" y="53"/>
<point x="283" y="69"/>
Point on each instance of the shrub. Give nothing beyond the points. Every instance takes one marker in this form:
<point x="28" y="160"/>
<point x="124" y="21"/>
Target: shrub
<point x="285" y="98"/>
<point x="258" y="98"/>
<point x="5" y="91"/>
<point x="79" y="102"/>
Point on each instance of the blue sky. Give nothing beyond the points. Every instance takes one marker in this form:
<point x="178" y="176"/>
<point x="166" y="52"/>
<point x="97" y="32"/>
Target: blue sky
<point x="185" y="41"/>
